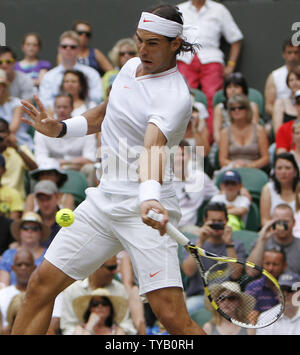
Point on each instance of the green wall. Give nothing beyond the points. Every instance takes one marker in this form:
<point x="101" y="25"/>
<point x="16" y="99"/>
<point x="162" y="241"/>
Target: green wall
<point x="265" y="23"/>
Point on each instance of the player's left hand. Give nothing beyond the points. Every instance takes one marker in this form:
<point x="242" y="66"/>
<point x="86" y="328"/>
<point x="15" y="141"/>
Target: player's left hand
<point x="146" y="206"/>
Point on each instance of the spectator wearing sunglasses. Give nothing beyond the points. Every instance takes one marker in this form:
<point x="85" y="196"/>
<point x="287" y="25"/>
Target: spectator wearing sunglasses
<point x="234" y="84"/>
<point x="230" y="297"/>
<point x="29" y="232"/>
<point x="103" y="277"/>
<point x="122" y="51"/>
<point x="100" y="313"/>
<point x="244" y="143"/>
<point x="68" y="51"/>
<point x="21" y="85"/>
<point x="289" y="323"/>
<point x="87" y="55"/>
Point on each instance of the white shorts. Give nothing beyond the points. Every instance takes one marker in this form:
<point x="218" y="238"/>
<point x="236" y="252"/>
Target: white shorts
<point x="104" y="225"/>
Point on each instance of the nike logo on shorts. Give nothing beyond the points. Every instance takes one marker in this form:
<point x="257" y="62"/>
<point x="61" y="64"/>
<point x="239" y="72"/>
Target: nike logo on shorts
<point x="152" y="275"/>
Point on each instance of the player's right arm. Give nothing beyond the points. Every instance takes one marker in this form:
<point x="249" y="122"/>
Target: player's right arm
<point x="46" y="124"/>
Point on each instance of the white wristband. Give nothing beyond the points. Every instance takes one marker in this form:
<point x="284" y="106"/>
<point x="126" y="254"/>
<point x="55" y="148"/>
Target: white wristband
<point x="76" y="126"/>
<point x="149" y="190"/>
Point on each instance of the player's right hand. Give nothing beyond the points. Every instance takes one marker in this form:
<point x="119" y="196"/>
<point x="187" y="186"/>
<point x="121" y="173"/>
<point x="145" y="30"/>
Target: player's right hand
<point x="40" y="119"/>
<point x="146" y="206"/>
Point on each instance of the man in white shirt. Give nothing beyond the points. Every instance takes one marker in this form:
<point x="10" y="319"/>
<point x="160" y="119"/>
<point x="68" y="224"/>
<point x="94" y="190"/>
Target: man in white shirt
<point x="193" y="187"/>
<point x="147" y="113"/>
<point x="206" y="69"/>
<point x="289" y="323"/>
<point x="68" y="51"/>
<point x="72" y="153"/>
<point x="276" y="86"/>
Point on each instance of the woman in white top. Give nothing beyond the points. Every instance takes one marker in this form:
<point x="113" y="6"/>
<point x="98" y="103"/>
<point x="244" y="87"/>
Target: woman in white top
<point x="281" y="188"/>
<point x="284" y="108"/>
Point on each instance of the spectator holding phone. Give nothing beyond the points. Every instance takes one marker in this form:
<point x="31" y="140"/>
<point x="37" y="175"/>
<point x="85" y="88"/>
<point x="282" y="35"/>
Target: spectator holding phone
<point x="215" y="236"/>
<point x="278" y="233"/>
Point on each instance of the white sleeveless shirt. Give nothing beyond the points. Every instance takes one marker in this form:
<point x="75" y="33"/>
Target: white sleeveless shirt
<point x="279" y="76"/>
<point x="277" y="200"/>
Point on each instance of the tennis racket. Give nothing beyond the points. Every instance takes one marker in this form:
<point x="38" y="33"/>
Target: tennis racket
<point x="228" y="288"/>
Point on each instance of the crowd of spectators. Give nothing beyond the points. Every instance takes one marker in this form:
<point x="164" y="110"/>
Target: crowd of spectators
<point x="248" y="178"/>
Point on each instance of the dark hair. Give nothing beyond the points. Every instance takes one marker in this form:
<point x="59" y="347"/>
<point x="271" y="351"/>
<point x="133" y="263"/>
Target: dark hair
<point x="277" y="249"/>
<point x="110" y="319"/>
<point x="66" y="95"/>
<point x="5" y="123"/>
<point x="215" y="206"/>
<point x="34" y="34"/>
<point x="295" y="71"/>
<point x="236" y="79"/>
<point x="83" y="93"/>
<point x="172" y="13"/>
<point x="290" y="157"/>
<point x="288" y="43"/>
<point x="6" y="49"/>
<point x="78" y="22"/>
<point x="184" y="143"/>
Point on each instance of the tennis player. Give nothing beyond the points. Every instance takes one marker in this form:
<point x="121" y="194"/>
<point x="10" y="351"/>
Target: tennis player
<point x="149" y="107"/>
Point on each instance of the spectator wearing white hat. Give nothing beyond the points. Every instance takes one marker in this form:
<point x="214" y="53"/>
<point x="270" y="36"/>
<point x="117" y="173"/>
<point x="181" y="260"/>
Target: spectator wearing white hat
<point x="49" y="170"/>
<point x="29" y="232"/>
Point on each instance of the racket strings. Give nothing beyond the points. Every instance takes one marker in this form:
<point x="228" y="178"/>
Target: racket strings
<point x="238" y="299"/>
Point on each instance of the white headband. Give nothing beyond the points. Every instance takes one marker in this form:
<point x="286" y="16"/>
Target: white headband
<point x="159" y="25"/>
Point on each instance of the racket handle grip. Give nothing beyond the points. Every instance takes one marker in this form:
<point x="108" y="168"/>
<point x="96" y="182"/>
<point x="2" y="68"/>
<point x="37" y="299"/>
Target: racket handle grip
<point x="171" y="230"/>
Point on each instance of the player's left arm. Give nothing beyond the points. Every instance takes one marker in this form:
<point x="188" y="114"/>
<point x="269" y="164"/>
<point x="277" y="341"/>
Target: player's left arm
<point x="152" y="164"/>
<point x="44" y="123"/>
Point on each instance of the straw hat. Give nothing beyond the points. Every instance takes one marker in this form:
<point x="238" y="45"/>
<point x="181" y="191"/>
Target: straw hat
<point x="232" y="287"/>
<point x="3" y="77"/>
<point x="120" y="304"/>
<point x="29" y="217"/>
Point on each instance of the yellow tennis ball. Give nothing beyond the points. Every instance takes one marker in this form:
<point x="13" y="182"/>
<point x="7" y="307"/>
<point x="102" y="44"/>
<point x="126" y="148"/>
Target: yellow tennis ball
<point x="64" y="217"/>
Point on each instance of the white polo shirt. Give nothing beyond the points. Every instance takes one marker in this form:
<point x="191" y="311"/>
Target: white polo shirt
<point x="283" y="326"/>
<point x="134" y="102"/>
<point x="212" y="22"/>
<point x="67" y="148"/>
<point x="52" y="80"/>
